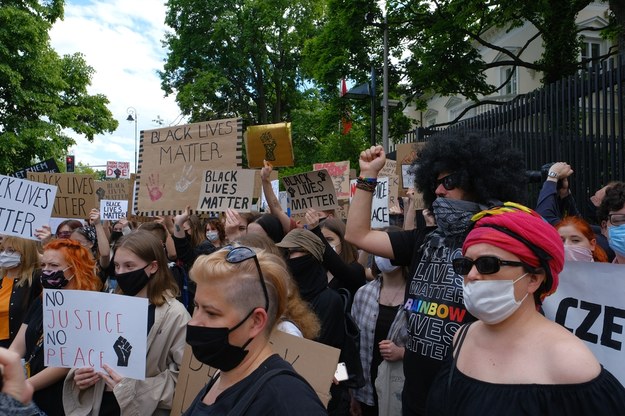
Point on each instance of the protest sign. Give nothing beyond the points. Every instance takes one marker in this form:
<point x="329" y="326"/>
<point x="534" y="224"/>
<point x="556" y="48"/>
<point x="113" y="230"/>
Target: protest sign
<point x="258" y="183"/>
<point x="120" y="189"/>
<point x="24" y="206"/>
<point x="275" y="186"/>
<point x="589" y="303"/>
<point x="270" y="142"/>
<point x="389" y="168"/>
<point x="173" y="160"/>
<point x="310" y="190"/>
<point x="117" y="170"/>
<point x="406" y="154"/>
<point x="113" y="210"/>
<point x="223" y="189"/>
<point x="379" y="205"/>
<point x="314" y="361"/>
<point x="340" y="176"/>
<point x="88" y="329"/>
<point x="75" y="194"/>
<point x="48" y="165"/>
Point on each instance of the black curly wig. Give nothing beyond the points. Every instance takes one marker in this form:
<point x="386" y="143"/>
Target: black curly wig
<point x="489" y="168"/>
<point x="613" y="200"/>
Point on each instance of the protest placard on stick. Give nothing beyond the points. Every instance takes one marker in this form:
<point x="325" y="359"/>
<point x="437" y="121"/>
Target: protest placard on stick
<point x="223" y="189"/>
<point x="75" y="195"/>
<point x="310" y="190"/>
<point x="270" y="142"/>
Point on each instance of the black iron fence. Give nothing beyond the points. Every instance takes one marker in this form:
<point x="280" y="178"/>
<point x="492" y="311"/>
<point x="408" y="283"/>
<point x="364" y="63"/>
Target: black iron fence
<point x="579" y="120"/>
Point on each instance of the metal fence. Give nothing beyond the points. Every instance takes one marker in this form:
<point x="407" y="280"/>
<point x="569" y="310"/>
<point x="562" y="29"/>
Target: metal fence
<point x="578" y="120"/>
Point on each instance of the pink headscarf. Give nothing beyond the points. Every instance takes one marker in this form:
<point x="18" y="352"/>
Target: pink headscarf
<point x="524" y="233"/>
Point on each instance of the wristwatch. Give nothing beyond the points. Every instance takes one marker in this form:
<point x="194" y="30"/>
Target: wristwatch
<point x="552" y="174"/>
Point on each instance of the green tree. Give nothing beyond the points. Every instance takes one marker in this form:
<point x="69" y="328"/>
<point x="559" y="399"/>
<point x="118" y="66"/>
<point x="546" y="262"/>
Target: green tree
<point x="237" y="57"/>
<point x="41" y="93"/>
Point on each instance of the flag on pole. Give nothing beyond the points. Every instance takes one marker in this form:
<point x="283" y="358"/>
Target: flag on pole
<point x="345" y="120"/>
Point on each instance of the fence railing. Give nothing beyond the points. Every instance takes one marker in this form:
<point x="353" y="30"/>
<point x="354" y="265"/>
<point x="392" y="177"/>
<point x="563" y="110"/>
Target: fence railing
<point x="579" y="120"/>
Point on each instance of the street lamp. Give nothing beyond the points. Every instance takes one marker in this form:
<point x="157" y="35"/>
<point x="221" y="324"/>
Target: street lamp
<point x="133" y="116"/>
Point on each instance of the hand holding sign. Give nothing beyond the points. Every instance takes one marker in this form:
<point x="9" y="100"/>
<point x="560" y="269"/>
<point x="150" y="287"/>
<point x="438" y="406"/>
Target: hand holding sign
<point x="154" y="187"/>
<point x="185" y="180"/>
<point x="123" y="349"/>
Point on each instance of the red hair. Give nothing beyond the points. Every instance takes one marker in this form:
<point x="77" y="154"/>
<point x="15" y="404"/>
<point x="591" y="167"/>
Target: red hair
<point x="80" y="260"/>
<point x="598" y="254"/>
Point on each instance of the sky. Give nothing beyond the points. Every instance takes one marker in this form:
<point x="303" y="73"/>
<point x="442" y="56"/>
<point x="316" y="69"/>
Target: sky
<point x="121" y="41"/>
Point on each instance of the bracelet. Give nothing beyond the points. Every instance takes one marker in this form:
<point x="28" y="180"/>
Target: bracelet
<point x="366" y="184"/>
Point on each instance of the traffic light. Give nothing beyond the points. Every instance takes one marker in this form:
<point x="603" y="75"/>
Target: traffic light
<point x="69" y="163"/>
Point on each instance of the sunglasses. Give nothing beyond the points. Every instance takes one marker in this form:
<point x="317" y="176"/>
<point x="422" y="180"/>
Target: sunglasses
<point x="484" y="265"/>
<point x="616" y="219"/>
<point x="449" y="182"/>
<point x="240" y="254"/>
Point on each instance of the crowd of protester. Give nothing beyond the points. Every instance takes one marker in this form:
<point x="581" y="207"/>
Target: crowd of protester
<point x="223" y="283"/>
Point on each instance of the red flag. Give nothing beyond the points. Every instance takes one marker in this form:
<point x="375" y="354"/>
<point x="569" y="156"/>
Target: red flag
<point x="345" y="120"/>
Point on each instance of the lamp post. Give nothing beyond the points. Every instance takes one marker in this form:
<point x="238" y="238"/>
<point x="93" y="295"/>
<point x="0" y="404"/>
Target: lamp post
<point x="384" y="26"/>
<point x="133" y="116"/>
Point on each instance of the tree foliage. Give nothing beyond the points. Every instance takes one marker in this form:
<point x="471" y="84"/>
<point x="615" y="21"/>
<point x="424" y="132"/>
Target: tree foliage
<point x="41" y="93"/>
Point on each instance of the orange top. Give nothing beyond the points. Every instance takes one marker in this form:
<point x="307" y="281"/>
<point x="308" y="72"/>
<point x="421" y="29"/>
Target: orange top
<point x="5" y="299"/>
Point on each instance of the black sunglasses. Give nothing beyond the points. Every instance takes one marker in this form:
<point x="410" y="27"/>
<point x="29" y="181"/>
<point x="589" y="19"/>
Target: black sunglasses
<point x="484" y="265"/>
<point x="449" y="182"/>
<point x="242" y="253"/>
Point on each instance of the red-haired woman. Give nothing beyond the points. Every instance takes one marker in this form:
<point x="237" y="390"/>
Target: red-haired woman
<point x="65" y="264"/>
<point x="579" y="241"/>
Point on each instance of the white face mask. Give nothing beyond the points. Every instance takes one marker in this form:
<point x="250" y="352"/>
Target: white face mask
<point x="10" y="260"/>
<point x="385" y="265"/>
<point x="577" y="253"/>
<point x="212" y="235"/>
<point x="491" y="301"/>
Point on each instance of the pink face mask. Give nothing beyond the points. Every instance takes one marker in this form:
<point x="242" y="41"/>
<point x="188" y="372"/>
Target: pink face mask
<point x="577" y="253"/>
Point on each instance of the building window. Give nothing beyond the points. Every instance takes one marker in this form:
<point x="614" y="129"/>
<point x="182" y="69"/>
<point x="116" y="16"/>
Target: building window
<point x="591" y="49"/>
<point x="511" y="87"/>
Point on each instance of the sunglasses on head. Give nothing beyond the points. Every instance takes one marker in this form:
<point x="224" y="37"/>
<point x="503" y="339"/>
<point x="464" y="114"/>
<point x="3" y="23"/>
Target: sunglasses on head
<point x="449" y="182"/>
<point x="240" y="254"/>
<point x="484" y="265"/>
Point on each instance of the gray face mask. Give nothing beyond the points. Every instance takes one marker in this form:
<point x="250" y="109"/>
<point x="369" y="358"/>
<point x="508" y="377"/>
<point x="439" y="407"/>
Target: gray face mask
<point x="10" y="260"/>
<point x="453" y="216"/>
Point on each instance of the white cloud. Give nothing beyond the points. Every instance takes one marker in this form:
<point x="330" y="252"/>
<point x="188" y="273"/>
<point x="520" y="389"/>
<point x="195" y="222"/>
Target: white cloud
<point x="121" y="40"/>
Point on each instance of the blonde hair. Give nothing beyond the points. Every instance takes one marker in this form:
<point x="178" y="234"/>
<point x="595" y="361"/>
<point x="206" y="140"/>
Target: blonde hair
<point x="244" y="290"/>
<point x="29" y="258"/>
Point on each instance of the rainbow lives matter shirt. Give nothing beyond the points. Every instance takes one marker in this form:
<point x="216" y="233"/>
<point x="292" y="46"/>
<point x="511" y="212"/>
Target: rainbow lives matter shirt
<point x="433" y="305"/>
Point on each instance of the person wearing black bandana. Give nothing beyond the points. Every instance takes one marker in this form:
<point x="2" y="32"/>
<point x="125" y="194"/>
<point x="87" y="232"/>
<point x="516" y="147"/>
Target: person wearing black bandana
<point x="458" y="175"/>
<point x="141" y="270"/>
<point x="241" y="294"/>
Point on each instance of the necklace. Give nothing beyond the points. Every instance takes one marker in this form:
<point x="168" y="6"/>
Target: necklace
<point x="384" y="296"/>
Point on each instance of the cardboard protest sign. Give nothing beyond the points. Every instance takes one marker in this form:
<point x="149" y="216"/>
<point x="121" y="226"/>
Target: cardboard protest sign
<point x="314" y="361"/>
<point x="275" y="186"/>
<point x="172" y="162"/>
<point x="589" y="303"/>
<point x="75" y="194"/>
<point x="223" y="189"/>
<point x="379" y="205"/>
<point x="406" y="154"/>
<point x="88" y="329"/>
<point x="117" y="170"/>
<point x="113" y="210"/>
<point x="389" y="168"/>
<point x="48" y="165"/>
<point x="310" y="190"/>
<point x="24" y="206"/>
<point x="270" y="142"/>
<point x="340" y="176"/>
<point x="120" y="189"/>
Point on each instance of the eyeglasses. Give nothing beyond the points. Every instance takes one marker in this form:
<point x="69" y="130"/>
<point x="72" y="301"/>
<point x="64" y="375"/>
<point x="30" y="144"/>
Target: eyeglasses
<point x="240" y="254"/>
<point x="484" y="265"/>
<point x="449" y="182"/>
<point x="617" y="219"/>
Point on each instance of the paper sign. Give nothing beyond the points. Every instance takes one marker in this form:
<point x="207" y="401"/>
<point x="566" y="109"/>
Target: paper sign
<point x="223" y="189"/>
<point x="114" y="190"/>
<point x="379" y="205"/>
<point x="407" y="177"/>
<point x="24" y="206"/>
<point x="271" y="142"/>
<point x="173" y="160"/>
<point x="406" y="154"/>
<point x="589" y="303"/>
<point x="113" y="210"/>
<point x="258" y="183"/>
<point x="75" y="194"/>
<point x="88" y="329"/>
<point x="310" y="190"/>
<point x="48" y="165"/>
<point x="314" y="361"/>
<point x="275" y="186"/>
<point x="117" y="170"/>
<point x="340" y="176"/>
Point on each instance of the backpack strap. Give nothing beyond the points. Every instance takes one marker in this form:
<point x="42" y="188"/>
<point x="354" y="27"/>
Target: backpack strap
<point x="462" y="333"/>
<point x="248" y="397"/>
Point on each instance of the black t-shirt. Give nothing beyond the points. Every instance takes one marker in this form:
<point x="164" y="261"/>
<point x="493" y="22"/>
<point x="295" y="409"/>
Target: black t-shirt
<point x="434" y="305"/>
<point x="283" y="394"/>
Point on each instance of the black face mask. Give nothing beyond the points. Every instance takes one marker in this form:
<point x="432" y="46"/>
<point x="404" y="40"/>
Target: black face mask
<point x="116" y="235"/>
<point x="53" y="279"/>
<point x="132" y="282"/>
<point x="211" y="346"/>
<point x="309" y="275"/>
